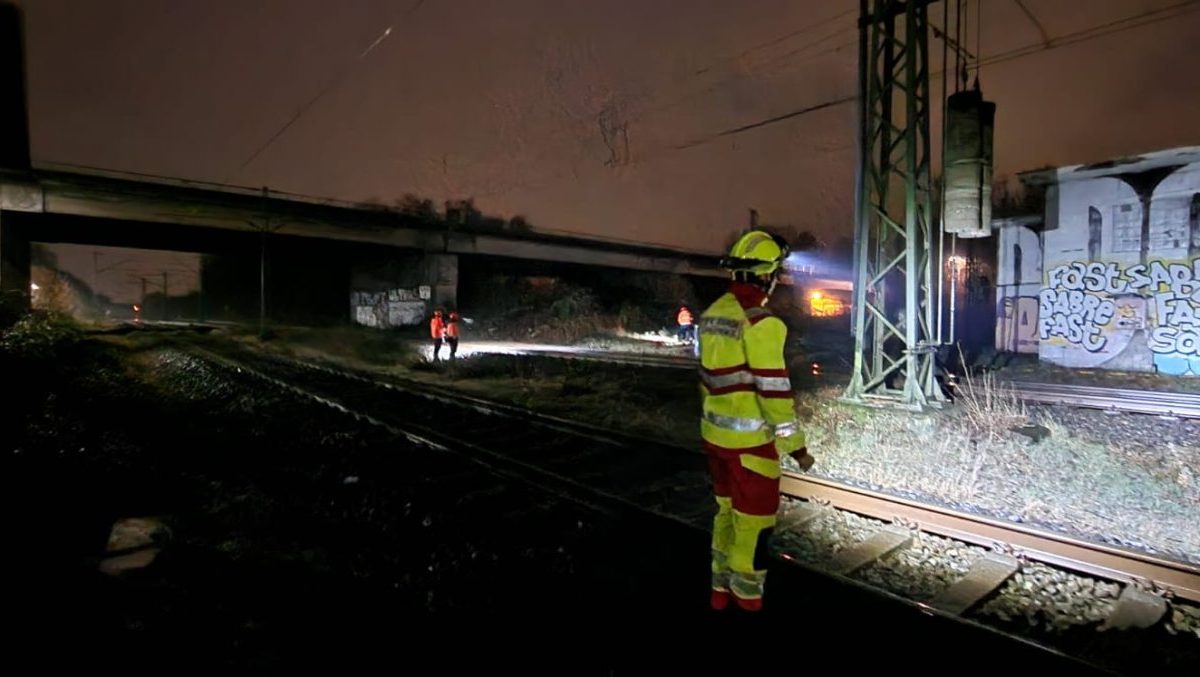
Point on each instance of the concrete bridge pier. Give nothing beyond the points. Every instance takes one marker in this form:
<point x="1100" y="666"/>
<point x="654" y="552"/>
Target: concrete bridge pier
<point x="14" y="264"/>
<point x="440" y="273"/>
<point x="14" y="153"/>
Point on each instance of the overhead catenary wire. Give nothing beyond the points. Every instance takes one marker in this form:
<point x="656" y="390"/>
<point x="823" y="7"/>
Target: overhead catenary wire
<point x="787" y="59"/>
<point x="1098" y="31"/>
<point x="1094" y="32"/>
<point x="783" y="38"/>
<point x="1101" y="30"/>
<point x="978" y="36"/>
<point x="1034" y="20"/>
<point x="333" y="82"/>
<point x="961" y="67"/>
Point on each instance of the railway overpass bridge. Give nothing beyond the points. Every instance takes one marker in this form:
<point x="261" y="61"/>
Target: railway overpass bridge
<point x="322" y="250"/>
<point x="94" y="207"/>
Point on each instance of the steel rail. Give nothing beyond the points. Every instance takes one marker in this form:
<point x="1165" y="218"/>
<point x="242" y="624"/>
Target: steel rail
<point x="1106" y="561"/>
<point x="1183" y="405"/>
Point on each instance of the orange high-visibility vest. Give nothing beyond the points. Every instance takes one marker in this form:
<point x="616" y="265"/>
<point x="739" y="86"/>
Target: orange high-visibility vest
<point x="437" y="327"/>
<point x="685" y="316"/>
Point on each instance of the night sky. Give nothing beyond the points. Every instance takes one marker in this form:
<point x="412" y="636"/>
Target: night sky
<point x="570" y="113"/>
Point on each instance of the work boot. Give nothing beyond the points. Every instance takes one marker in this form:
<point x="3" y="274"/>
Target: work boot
<point x="805" y="460"/>
<point x="755" y="604"/>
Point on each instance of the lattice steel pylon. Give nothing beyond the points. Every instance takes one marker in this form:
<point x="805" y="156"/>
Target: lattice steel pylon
<point x="892" y="211"/>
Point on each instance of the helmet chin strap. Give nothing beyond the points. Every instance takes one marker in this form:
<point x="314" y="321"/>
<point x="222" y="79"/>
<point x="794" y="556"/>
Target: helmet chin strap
<point x="765" y="282"/>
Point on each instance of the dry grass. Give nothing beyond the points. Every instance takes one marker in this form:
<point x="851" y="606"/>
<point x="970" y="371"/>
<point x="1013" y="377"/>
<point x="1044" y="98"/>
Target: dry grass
<point x="971" y="456"/>
<point x="989" y="408"/>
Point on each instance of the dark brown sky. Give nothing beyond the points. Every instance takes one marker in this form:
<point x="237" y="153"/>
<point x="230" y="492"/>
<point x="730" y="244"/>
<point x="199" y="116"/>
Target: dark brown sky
<point x="506" y="100"/>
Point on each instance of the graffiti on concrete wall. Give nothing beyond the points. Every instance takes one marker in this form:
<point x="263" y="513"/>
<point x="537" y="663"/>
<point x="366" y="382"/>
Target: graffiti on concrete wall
<point x="1018" y="283"/>
<point x="1111" y="275"/>
<point x="391" y="308"/>
<point x="1092" y="305"/>
<point x="1078" y="316"/>
<point x="1175" y="340"/>
<point x="1017" y="324"/>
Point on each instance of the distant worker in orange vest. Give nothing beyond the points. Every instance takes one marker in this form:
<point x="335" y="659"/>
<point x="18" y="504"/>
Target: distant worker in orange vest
<point x="687" y="326"/>
<point x="452" y="333"/>
<point x="437" y="331"/>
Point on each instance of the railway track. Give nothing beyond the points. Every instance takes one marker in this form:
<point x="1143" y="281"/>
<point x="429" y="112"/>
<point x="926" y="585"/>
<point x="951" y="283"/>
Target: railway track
<point x="561" y="456"/>
<point x="1180" y="405"/>
<point x="1149" y="581"/>
<point x="574" y="459"/>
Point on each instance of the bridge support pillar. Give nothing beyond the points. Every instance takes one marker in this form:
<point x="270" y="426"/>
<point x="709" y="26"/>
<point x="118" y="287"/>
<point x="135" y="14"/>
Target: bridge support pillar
<point x="440" y="273"/>
<point x="14" y="154"/>
<point x="14" y="264"/>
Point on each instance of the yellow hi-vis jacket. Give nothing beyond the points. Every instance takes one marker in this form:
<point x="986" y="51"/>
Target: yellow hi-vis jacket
<point x="748" y="398"/>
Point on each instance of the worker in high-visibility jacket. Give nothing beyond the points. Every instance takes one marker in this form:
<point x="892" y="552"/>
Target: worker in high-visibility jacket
<point x="452" y="333"/>
<point x="748" y="420"/>
<point x="437" y="332"/>
<point x="687" y="326"/>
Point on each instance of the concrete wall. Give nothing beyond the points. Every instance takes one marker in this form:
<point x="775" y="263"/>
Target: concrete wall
<point x="1107" y="299"/>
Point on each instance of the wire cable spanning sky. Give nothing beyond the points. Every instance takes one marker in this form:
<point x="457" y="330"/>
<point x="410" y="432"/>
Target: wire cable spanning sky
<point x="624" y="119"/>
<point x="337" y="79"/>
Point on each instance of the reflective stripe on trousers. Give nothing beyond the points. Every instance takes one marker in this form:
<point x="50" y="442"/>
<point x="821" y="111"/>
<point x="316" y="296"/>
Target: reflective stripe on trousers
<point x="773" y="383"/>
<point x="747" y="585"/>
<point x="778" y="384"/>
<point x="787" y="429"/>
<point x="725" y="380"/>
